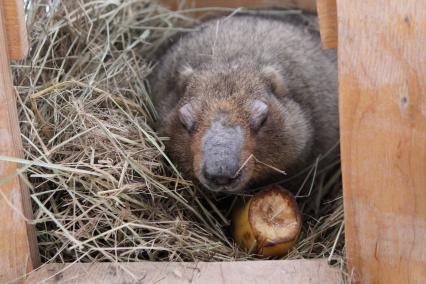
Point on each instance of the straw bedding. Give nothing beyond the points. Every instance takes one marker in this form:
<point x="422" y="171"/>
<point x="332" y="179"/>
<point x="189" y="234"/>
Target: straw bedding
<point x="101" y="185"/>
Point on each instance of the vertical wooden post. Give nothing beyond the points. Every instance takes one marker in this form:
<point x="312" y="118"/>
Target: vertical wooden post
<point x="15" y="28"/>
<point x="382" y="73"/>
<point x="18" y="248"/>
<point x="327" y="15"/>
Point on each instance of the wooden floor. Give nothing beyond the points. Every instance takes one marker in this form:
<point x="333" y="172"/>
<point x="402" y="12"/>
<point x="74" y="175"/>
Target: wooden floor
<point x="270" y="271"/>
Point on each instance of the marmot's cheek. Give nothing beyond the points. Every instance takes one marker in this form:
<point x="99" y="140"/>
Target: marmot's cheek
<point x="197" y="166"/>
<point x="194" y="147"/>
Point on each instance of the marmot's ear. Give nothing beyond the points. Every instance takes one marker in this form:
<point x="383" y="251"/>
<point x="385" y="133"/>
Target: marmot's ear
<point x="185" y="73"/>
<point x="274" y="77"/>
<point x="187" y="116"/>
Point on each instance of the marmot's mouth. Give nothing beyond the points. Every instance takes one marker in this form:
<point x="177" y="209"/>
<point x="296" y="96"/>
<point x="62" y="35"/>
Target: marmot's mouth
<point x="237" y="184"/>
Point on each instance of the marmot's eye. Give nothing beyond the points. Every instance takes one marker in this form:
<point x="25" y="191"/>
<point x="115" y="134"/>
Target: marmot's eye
<point x="187" y="117"/>
<point x="258" y="114"/>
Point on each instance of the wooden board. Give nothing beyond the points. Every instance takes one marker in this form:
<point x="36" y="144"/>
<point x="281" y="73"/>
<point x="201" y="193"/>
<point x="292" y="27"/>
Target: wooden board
<point x="382" y="69"/>
<point x="327" y="15"/>
<point x="308" y="5"/>
<point x="290" y="271"/>
<point x="15" y="27"/>
<point x="18" y="247"/>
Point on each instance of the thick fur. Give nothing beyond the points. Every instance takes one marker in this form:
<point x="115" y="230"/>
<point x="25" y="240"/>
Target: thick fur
<point x="223" y="67"/>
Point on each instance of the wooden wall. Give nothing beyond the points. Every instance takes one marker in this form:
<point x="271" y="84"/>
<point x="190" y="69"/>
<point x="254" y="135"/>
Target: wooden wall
<point x="382" y="73"/>
<point x="18" y="246"/>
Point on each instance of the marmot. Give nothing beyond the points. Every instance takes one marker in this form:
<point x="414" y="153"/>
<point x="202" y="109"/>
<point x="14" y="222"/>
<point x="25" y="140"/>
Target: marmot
<point x="244" y="94"/>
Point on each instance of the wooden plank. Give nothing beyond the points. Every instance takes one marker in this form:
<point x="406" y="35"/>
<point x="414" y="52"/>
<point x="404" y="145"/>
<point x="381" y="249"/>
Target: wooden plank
<point x="382" y="73"/>
<point x="18" y="247"/>
<point x="327" y="15"/>
<point x="15" y="27"/>
<point x="308" y="5"/>
<point x="271" y="271"/>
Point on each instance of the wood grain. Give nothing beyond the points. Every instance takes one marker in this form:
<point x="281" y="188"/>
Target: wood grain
<point x="382" y="72"/>
<point x="278" y="271"/>
<point x="308" y="5"/>
<point x="327" y="15"/>
<point x="18" y="247"/>
<point x="15" y="28"/>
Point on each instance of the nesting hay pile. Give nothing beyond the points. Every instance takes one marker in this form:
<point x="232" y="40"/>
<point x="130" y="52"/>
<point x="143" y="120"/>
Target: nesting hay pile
<point x="101" y="185"/>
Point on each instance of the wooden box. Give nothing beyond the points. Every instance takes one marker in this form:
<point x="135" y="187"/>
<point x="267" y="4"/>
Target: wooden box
<point x="382" y="74"/>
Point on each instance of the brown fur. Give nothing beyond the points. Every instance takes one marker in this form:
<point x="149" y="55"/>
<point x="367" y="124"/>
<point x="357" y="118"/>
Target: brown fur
<point x="221" y="70"/>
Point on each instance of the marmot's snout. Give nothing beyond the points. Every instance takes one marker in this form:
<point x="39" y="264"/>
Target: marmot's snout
<point x="221" y="150"/>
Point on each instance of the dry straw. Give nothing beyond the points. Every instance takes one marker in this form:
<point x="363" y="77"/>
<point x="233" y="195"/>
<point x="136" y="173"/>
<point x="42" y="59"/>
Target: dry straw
<point x="101" y="185"/>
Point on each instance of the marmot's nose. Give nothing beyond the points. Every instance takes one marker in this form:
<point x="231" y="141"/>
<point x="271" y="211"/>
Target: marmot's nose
<point x="220" y="178"/>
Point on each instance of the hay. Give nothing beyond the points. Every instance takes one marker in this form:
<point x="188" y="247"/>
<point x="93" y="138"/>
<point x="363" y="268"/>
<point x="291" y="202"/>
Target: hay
<point x="101" y="185"/>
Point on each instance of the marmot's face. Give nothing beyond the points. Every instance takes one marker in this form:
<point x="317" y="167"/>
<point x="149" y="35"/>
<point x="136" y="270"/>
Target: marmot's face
<point x="222" y="138"/>
<point x="228" y="131"/>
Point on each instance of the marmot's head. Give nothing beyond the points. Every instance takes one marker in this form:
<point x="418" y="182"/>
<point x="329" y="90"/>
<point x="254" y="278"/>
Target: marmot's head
<point x="229" y="128"/>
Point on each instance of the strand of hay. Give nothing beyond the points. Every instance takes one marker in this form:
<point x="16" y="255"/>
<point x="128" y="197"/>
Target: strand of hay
<point x="101" y="185"/>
